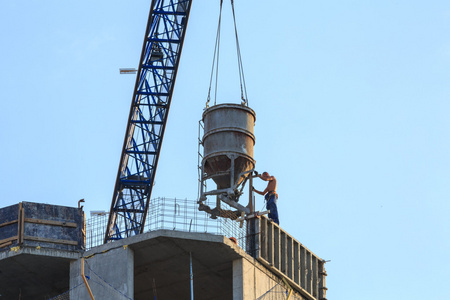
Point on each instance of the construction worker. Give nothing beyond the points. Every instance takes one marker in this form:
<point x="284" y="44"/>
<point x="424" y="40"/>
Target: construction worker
<point x="270" y="194"/>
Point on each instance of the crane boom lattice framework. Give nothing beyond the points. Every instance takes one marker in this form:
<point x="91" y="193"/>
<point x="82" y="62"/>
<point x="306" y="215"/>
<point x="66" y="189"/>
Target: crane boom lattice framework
<point x="150" y="105"/>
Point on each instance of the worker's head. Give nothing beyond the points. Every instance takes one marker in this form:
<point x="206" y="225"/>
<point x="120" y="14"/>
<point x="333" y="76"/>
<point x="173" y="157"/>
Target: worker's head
<point x="265" y="174"/>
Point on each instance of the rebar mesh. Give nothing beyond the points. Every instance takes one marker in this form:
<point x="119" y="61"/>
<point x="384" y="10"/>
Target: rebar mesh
<point x="95" y="230"/>
<point x="173" y="214"/>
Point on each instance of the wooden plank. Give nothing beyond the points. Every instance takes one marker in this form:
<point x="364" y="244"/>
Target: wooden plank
<point x="270" y="250"/>
<point x="283" y="252"/>
<point x="315" y="277"/>
<point x="21" y="224"/>
<point x="296" y="263"/>
<point x="5" y="244"/>
<point x="302" y="267"/>
<point x="263" y="238"/>
<point x="276" y="246"/>
<point x="84" y="230"/>
<point x="290" y="258"/>
<point x="309" y="272"/>
<point x="322" y="281"/>
<point x="8" y="223"/>
<point x="46" y="240"/>
<point x="258" y="237"/>
<point x="10" y="239"/>
<point x="49" y="222"/>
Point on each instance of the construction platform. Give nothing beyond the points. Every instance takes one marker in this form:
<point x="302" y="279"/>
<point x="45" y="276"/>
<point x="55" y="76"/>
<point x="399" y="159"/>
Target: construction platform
<point x="169" y="264"/>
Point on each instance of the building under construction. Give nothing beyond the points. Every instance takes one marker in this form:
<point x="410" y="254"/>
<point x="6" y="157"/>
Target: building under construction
<point x="50" y="252"/>
<point x="214" y="247"/>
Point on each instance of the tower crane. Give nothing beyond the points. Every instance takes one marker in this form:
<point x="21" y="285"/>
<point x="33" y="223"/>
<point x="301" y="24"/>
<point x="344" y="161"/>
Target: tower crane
<point x="155" y="79"/>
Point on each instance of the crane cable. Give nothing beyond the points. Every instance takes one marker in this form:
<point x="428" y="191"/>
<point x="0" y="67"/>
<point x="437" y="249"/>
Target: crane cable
<point x="216" y="51"/>
<point x="240" y="65"/>
<point x="215" y="64"/>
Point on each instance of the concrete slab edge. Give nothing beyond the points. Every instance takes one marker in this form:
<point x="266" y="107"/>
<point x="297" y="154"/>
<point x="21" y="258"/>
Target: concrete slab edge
<point x="72" y="255"/>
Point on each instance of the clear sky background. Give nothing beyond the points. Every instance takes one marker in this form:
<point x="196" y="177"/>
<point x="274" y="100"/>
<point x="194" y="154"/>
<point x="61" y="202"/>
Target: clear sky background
<point x="352" y="104"/>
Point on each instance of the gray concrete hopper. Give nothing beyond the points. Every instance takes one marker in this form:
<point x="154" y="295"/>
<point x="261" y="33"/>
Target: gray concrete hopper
<point x="228" y="142"/>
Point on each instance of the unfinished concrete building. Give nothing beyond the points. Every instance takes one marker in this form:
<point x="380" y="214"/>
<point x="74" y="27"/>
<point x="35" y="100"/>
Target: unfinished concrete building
<point x="182" y="255"/>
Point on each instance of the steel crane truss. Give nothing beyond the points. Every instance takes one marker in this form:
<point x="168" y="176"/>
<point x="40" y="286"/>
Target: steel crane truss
<point x="148" y="116"/>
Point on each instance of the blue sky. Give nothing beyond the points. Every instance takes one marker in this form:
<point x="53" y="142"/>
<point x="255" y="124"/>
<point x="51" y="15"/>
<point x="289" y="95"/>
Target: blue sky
<point x="351" y="101"/>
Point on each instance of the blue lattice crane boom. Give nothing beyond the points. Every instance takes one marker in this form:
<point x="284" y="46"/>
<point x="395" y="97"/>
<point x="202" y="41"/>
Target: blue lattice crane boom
<point x="150" y="105"/>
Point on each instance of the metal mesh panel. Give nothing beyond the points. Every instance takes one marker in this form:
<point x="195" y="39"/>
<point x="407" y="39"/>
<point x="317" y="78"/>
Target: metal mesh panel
<point x="95" y="229"/>
<point x="172" y="214"/>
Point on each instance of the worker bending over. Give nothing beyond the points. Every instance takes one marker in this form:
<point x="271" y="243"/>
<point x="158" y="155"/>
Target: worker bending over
<point x="270" y="194"/>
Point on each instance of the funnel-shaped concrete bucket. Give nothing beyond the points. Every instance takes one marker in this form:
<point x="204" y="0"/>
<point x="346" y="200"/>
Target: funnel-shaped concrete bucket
<point x="228" y="140"/>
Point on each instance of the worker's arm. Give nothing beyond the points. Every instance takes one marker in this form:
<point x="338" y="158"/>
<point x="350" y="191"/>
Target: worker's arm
<point x="268" y="178"/>
<point x="256" y="191"/>
<point x="261" y="193"/>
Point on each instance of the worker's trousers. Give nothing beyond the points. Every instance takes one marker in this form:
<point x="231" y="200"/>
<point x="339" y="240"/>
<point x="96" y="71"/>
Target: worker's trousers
<point x="271" y="205"/>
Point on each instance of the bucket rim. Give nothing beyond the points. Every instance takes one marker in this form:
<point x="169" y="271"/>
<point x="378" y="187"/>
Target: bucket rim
<point x="229" y="105"/>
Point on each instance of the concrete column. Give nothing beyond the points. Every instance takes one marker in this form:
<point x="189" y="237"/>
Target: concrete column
<point x="111" y="275"/>
<point x="242" y="281"/>
<point x="250" y="282"/>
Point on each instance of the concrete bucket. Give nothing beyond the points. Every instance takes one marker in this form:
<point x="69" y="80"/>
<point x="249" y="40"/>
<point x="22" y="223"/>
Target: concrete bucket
<point x="228" y="142"/>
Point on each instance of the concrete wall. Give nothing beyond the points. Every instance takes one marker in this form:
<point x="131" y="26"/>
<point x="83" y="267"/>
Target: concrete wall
<point x="111" y="275"/>
<point x="251" y="281"/>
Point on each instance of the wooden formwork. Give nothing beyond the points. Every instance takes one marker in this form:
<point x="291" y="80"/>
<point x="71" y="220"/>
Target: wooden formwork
<point x="291" y="260"/>
<point x="34" y="224"/>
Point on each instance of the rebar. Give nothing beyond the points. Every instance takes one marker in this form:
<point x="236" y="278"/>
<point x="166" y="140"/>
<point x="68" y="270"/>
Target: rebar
<point x="173" y="214"/>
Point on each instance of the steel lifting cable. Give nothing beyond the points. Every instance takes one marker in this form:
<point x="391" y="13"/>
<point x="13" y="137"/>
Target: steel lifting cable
<point x="240" y="65"/>
<point x="215" y="63"/>
<point x="215" y="60"/>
